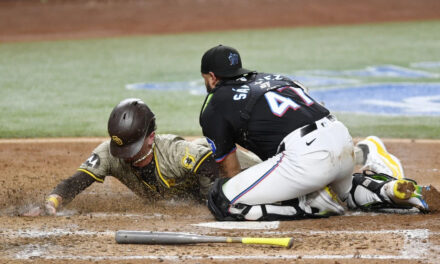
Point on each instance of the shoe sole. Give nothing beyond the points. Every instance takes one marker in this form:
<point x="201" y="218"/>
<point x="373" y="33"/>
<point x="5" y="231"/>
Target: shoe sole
<point x="333" y="199"/>
<point x="428" y="195"/>
<point x="404" y="189"/>
<point x="386" y="157"/>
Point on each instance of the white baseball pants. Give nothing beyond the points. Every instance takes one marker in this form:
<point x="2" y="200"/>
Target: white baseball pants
<point x="309" y="162"/>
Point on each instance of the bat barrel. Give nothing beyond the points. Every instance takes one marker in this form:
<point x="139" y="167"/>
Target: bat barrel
<point x="175" y="238"/>
<point x="146" y="237"/>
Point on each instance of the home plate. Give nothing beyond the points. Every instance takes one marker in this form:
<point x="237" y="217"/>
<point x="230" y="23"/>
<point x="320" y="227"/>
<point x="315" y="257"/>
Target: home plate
<point x="240" y="225"/>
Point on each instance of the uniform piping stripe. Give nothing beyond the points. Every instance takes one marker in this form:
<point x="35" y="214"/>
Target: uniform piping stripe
<point x="158" y="169"/>
<point x="207" y="101"/>
<point x="258" y="181"/>
<point x="202" y="160"/>
<point x="91" y="175"/>
<point x="395" y="168"/>
<point x="224" y="156"/>
<point x="149" y="186"/>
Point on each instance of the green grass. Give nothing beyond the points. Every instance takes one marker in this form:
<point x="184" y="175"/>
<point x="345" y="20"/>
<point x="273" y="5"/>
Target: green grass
<point x="68" y="88"/>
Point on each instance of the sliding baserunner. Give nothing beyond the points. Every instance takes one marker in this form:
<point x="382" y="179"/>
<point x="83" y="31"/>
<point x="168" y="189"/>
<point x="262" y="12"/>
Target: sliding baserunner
<point x="153" y="166"/>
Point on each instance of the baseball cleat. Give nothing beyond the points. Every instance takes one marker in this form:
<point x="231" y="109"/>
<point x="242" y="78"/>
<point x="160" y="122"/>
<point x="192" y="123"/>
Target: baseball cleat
<point x="326" y="202"/>
<point x="408" y="193"/>
<point x="378" y="159"/>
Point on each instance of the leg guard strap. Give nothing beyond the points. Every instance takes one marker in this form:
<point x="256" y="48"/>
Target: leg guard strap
<point x="222" y="210"/>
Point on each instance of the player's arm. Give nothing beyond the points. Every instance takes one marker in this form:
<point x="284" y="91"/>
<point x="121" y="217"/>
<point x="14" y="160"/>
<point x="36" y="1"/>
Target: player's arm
<point x="219" y="134"/>
<point x="229" y="166"/>
<point x="72" y="186"/>
<point x="63" y="193"/>
<point x="206" y="174"/>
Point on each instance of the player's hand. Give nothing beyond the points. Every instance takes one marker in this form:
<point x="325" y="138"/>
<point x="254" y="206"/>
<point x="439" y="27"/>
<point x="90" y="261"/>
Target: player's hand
<point x="53" y="201"/>
<point x="49" y="208"/>
<point x="34" y="211"/>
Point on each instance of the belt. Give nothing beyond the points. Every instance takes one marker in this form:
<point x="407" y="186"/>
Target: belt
<point x="307" y="129"/>
<point x="312" y="127"/>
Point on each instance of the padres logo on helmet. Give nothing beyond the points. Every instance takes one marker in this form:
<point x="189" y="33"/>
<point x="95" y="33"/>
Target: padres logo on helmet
<point x="128" y="125"/>
<point x="117" y="140"/>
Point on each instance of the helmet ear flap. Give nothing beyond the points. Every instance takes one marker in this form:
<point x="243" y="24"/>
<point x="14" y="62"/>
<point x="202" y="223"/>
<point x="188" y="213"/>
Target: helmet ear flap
<point x="152" y="126"/>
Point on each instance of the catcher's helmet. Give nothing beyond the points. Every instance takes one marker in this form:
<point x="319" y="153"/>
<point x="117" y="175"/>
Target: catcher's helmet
<point x="128" y="125"/>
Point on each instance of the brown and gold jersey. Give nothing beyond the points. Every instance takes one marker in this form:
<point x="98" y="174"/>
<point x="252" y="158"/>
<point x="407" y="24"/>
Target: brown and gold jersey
<point x="174" y="168"/>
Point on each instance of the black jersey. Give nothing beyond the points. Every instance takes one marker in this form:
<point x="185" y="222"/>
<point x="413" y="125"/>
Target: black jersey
<point x="256" y="111"/>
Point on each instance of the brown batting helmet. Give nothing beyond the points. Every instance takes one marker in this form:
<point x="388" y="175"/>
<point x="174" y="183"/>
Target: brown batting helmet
<point x="128" y="125"/>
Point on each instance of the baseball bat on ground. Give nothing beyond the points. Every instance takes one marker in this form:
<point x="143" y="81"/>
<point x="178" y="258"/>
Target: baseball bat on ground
<point x="174" y="238"/>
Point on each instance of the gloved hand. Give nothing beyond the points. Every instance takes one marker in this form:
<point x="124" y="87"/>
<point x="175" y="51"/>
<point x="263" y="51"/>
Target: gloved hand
<point x="50" y="207"/>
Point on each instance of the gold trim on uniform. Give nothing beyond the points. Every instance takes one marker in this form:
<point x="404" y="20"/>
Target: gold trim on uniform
<point x="202" y="160"/>
<point x="91" y="175"/>
<point x="188" y="160"/>
<point x="149" y="186"/>
<point x="158" y="169"/>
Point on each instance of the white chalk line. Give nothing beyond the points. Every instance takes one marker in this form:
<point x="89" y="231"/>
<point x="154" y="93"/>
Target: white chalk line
<point x="107" y="215"/>
<point x="240" y="225"/>
<point x="415" y="246"/>
<point x="56" y="232"/>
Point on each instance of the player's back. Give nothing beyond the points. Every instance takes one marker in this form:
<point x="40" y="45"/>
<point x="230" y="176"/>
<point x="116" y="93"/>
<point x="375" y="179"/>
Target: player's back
<point x="256" y="111"/>
<point x="274" y="114"/>
<point x="278" y="113"/>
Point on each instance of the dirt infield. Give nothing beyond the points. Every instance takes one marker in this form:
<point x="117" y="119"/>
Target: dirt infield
<point x="84" y="231"/>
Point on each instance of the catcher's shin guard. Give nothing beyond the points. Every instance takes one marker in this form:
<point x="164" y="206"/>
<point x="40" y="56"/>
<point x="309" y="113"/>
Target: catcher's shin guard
<point x="299" y="208"/>
<point x="372" y="191"/>
<point x="367" y="193"/>
<point x="295" y="209"/>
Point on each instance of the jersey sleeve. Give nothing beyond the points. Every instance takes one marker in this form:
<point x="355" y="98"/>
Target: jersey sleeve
<point x="98" y="164"/>
<point x="177" y="158"/>
<point x="218" y="133"/>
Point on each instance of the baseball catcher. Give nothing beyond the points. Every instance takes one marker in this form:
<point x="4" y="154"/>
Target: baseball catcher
<point x="308" y="155"/>
<point x="152" y="166"/>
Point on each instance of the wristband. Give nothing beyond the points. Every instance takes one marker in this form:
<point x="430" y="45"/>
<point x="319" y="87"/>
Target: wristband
<point x="54" y="200"/>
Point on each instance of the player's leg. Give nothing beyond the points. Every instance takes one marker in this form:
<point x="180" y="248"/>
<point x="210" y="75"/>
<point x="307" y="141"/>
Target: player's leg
<point x="375" y="157"/>
<point x="315" y="205"/>
<point x="376" y="191"/>
<point x="344" y="157"/>
<point x="307" y="164"/>
<point x="384" y="186"/>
